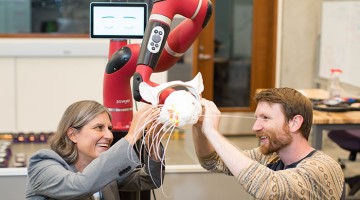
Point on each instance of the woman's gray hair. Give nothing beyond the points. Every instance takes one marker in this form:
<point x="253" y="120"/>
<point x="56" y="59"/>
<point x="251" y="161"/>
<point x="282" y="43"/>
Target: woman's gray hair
<point x="76" y="116"/>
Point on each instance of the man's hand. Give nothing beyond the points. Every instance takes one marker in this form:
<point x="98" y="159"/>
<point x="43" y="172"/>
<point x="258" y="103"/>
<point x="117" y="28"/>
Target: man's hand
<point x="211" y="118"/>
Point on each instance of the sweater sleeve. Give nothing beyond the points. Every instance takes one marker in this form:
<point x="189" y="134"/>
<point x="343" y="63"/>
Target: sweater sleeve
<point x="214" y="163"/>
<point x="317" y="177"/>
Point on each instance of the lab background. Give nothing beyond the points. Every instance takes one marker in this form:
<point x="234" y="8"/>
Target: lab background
<point x="41" y="76"/>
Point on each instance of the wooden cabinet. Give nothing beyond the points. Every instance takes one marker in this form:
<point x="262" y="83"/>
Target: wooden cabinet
<point x="8" y="94"/>
<point x="40" y="77"/>
<point x="46" y="86"/>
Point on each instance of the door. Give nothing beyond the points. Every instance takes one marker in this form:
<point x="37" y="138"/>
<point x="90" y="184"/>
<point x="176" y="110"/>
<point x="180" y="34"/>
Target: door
<point x="236" y="52"/>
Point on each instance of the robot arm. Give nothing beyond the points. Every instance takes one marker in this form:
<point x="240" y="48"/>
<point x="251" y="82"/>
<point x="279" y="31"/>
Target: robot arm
<point x="157" y="37"/>
<point x="131" y="60"/>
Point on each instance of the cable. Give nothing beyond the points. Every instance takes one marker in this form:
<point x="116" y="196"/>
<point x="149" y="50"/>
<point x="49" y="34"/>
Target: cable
<point x="154" y="196"/>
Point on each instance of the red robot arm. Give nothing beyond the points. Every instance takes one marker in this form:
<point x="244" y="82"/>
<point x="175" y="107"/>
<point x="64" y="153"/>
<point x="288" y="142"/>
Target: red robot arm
<point x="126" y="61"/>
<point x="157" y="37"/>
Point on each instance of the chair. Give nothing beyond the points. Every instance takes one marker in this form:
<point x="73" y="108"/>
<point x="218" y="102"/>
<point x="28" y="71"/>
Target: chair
<point x="350" y="141"/>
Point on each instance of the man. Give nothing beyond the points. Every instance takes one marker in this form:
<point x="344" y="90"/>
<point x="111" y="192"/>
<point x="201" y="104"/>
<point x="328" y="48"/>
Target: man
<point x="284" y="166"/>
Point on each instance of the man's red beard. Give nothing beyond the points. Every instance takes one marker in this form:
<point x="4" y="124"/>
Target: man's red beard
<point x="275" y="140"/>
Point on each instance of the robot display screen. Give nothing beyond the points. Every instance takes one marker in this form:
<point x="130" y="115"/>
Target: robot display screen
<point x="118" y="20"/>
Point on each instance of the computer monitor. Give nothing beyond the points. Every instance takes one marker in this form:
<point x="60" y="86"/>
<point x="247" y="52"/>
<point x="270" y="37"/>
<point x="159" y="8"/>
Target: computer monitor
<point x="118" y="20"/>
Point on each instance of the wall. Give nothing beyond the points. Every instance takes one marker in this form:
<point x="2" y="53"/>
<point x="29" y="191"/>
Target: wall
<point x="340" y="40"/>
<point x="300" y="29"/>
<point x="299" y="46"/>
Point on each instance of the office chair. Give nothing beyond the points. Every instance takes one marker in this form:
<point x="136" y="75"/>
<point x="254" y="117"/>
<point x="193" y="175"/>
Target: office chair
<point x="348" y="140"/>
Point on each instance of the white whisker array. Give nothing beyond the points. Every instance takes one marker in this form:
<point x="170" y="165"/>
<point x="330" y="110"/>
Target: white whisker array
<point x="181" y="108"/>
<point x="158" y="127"/>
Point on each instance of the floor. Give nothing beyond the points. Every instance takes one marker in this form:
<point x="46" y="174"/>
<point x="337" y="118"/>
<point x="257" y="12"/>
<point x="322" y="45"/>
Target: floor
<point x="180" y="150"/>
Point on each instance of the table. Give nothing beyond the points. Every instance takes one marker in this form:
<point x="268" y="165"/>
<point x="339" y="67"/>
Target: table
<point x="329" y="120"/>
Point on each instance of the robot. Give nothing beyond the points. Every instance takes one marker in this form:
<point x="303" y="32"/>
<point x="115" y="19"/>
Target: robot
<point x="160" y="49"/>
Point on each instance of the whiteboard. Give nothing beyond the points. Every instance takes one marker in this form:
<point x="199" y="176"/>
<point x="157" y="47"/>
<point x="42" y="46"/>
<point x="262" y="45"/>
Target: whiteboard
<point x="340" y="40"/>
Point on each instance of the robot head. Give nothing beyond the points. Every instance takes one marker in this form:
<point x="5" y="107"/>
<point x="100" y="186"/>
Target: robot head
<point x="181" y="107"/>
<point x="151" y="94"/>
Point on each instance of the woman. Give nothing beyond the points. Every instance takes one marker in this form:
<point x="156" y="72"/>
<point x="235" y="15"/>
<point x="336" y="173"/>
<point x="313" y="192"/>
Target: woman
<point x="81" y="164"/>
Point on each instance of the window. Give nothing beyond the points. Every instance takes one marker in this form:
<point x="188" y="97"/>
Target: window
<point x="48" y="16"/>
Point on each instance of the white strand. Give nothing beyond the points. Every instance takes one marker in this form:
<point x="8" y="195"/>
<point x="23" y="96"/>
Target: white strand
<point x="171" y="128"/>
<point x="164" y="129"/>
<point x="156" y="148"/>
<point x="238" y="116"/>
<point x="143" y="143"/>
<point x="140" y="130"/>
<point x="154" y="137"/>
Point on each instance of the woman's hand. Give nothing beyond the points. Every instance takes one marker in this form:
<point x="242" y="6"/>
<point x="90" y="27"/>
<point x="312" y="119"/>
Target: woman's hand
<point x="147" y="114"/>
